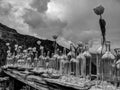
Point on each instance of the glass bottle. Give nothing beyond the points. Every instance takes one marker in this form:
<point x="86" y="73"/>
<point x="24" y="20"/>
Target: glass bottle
<point x="63" y="62"/>
<point x="52" y="62"/>
<point x="47" y="60"/>
<point x="59" y="60"/>
<point x="41" y="58"/>
<point x="117" y="50"/>
<point x="13" y="57"/>
<point x="25" y="57"/>
<point x="99" y="52"/>
<point x="17" y="56"/>
<point x="55" y="57"/>
<point x="107" y="63"/>
<point x="44" y="60"/>
<point x="82" y="61"/>
<point x="74" y="66"/>
<point x="118" y="70"/>
<point x="11" y="60"/>
<point x="70" y="55"/>
<point x="36" y="60"/>
<point x="88" y="57"/>
<point x="66" y="63"/>
<point x="8" y="58"/>
<point x="21" y="60"/>
<point x="29" y="59"/>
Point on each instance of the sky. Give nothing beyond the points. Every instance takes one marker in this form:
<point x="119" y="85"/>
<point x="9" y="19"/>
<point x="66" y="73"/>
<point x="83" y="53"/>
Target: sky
<point x="71" y="20"/>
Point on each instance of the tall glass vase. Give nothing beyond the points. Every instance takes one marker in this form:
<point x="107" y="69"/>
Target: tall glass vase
<point x="82" y="62"/>
<point x="100" y="51"/>
<point x="64" y="63"/>
<point x="55" y="57"/>
<point x="88" y="60"/>
<point x="41" y="58"/>
<point x="59" y="60"/>
<point x="47" y="60"/>
<point x="107" y="63"/>
<point x="74" y="66"/>
<point x="70" y="55"/>
<point x="36" y="61"/>
<point x="117" y="50"/>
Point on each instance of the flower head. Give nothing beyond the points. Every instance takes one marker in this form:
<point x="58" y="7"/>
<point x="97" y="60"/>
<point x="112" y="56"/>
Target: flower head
<point x="99" y="10"/>
<point x="38" y="42"/>
<point x="7" y="44"/>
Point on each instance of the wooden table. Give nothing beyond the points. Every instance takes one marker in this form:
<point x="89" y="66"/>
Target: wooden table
<point x="30" y="83"/>
<point x="42" y="85"/>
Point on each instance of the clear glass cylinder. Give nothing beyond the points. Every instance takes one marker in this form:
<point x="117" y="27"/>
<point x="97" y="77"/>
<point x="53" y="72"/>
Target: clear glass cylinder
<point x="99" y="52"/>
<point x="12" y="60"/>
<point x="41" y="58"/>
<point x="24" y="57"/>
<point x="70" y="55"/>
<point x="59" y="60"/>
<point x="47" y="60"/>
<point x="8" y="58"/>
<point x="17" y="57"/>
<point x="55" y="57"/>
<point x="107" y="63"/>
<point x="117" y="63"/>
<point x="63" y="63"/>
<point x="74" y="66"/>
<point x="44" y="60"/>
<point x="36" y="61"/>
<point x="52" y="62"/>
<point x="118" y="70"/>
<point x="88" y="57"/>
<point x="28" y="64"/>
<point x="22" y="60"/>
<point x="73" y="63"/>
<point x="66" y="66"/>
<point x="82" y="64"/>
<point x="13" y="57"/>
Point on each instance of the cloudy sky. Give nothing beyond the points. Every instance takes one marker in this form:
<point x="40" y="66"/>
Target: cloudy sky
<point x="72" y="20"/>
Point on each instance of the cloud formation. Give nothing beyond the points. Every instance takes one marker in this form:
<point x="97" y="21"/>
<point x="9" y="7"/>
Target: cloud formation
<point x="40" y="5"/>
<point x="5" y="8"/>
<point x="73" y="20"/>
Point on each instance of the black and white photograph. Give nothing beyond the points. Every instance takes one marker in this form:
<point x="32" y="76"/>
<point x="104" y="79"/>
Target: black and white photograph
<point x="59" y="44"/>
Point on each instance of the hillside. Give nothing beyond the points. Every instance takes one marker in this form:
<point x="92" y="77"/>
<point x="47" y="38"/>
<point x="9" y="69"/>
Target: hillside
<point x="13" y="37"/>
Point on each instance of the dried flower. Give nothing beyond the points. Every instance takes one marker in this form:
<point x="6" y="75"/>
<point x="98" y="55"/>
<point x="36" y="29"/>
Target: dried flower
<point x="41" y="47"/>
<point x="38" y="42"/>
<point x="99" y="10"/>
<point x="55" y="37"/>
<point x="16" y="45"/>
<point x="7" y="44"/>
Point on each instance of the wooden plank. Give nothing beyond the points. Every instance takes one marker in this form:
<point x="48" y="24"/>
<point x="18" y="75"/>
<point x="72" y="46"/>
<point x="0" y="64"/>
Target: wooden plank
<point x="32" y="84"/>
<point x="67" y="84"/>
<point x="42" y="86"/>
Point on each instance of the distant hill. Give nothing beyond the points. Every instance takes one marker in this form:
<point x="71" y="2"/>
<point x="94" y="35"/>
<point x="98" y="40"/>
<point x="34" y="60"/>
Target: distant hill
<point x="7" y="29"/>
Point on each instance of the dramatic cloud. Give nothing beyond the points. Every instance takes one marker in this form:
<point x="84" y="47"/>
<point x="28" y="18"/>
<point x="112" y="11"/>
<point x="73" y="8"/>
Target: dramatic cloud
<point x="40" y="5"/>
<point x="34" y="19"/>
<point x="73" y="20"/>
<point x="5" y="8"/>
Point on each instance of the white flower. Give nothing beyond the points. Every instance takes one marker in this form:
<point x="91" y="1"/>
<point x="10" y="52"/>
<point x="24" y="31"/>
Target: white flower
<point x="38" y="42"/>
<point x="7" y="44"/>
<point x="16" y="45"/>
